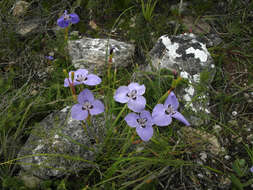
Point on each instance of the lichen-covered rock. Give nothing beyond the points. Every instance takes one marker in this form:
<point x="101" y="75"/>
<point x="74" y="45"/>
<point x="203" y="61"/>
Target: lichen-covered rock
<point x="60" y="145"/>
<point x="19" y="8"/>
<point x="188" y="55"/>
<point x="27" y="27"/>
<point x="91" y="53"/>
<point x="201" y="140"/>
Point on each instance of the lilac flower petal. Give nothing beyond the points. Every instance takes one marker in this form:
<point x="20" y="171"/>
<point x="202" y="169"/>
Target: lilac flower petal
<point x="49" y="57"/>
<point x="98" y="107"/>
<point x="82" y="72"/>
<point x="78" y="113"/>
<point x="146" y="114"/>
<point x="172" y="99"/>
<point x="74" y="18"/>
<point x="139" y="88"/>
<point x="92" y="80"/>
<point x="251" y="169"/>
<point x="131" y="119"/>
<point x="121" y="94"/>
<point x="181" y="118"/>
<point x="137" y="105"/>
<point x="145" y="133"/>
<point x="158" y="110"/>
<point x="162" y="120"/>
<point x="85" y="95"/>
<point x="62" y="23"/>
<point x="66" y="82"/>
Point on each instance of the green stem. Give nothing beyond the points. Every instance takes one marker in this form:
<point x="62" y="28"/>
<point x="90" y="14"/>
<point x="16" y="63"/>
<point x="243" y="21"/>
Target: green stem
<point x="109" y="71"/>
<point x="66" y="34"/>
<point x="73" y="91"/>
<point x="85" y="127"/>
<point x="118" y="116"/>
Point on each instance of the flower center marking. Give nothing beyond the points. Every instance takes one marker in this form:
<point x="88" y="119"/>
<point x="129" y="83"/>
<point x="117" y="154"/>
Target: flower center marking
<point x="87" y="106"/>
<point x="142" y="122"/>
<point x="132" y="94"/>
<point x="81" y="78"/>
<point x="66" y="16"/>
<point x="170" y="110"/>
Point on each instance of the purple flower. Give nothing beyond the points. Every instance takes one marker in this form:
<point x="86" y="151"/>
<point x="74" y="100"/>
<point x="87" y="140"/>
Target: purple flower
<point x="132" y="95"/>
<point x="49" y="57"/>
<point x="86" y="105"/>
<point x="142" y="122"/>
<point x="81" y="76"/>
<point x="162" y="113"/>
<point x="66" y="19"/>
<point x="251" y="169"/>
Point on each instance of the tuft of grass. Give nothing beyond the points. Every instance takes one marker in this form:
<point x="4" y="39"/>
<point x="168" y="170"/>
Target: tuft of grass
<point x="148" y="9"/>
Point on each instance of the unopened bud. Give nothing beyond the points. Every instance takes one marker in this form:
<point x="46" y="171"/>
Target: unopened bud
<point x="65" y="73"/>
<point x="72" y="76"/>
<point x="175" y="73"/>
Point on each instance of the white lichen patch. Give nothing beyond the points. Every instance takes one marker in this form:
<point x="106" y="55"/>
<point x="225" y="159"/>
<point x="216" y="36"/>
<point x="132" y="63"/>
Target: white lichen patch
<point x="40" y="146"/>
<point x="198" y="54"/>
<point x="190" y="90"/>
<point x="56" y="136"/>
<point x="196" y="78"/>
<point x="185" y="75"/>
<point x="171" y="47"/>
<point x="70" y="120"/>
<point x="187" y="98"/>
<point x="55" y="142"/>
<point x="207" y="111"/>
<point x="65" y="109"/>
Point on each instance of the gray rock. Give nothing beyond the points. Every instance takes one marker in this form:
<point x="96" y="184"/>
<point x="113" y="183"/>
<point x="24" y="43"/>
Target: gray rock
<point x="19" y="8"/>
<point x="31" y="182"/>
<point x="187" y="54"/>
<point x="91" y="53"/>
<point x="27" y="27"/>
<point x="200" y="140"/>
<point x="60" y="145"/>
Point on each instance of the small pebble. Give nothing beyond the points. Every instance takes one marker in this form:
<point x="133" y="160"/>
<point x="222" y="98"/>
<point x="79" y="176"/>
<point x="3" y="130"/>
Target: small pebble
<point x="234" y="113"/>
<point x="239" y="140"/>
<point x="250" y="137"/>
<point x="217" y="128"/>
<point x="246" y="95"/>
<point x="233" y="122"/>
<point x="203" y="156"/>
<point x="227" y="157"/>
<point x="139" y="149"/>
<point x="199" y="162"/>
<point x="51" y="53"/>
<point x="34" y="92"/>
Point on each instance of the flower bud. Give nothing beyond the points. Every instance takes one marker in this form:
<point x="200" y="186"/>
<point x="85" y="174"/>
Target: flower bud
<point x="72" y="76"/>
